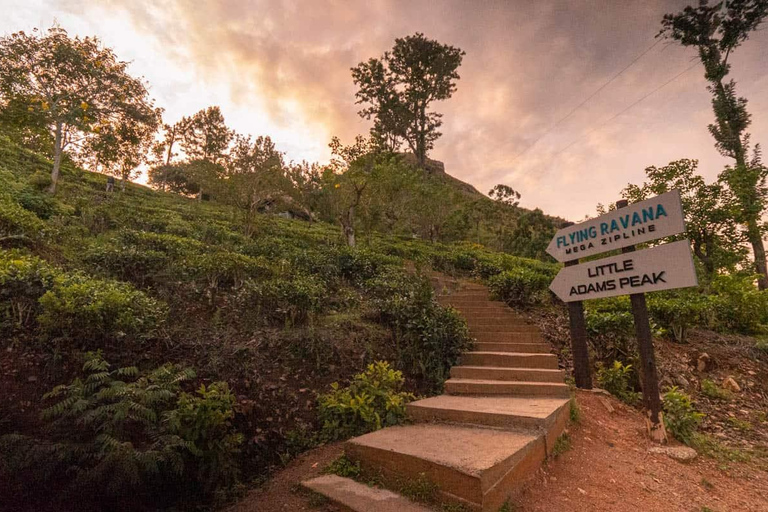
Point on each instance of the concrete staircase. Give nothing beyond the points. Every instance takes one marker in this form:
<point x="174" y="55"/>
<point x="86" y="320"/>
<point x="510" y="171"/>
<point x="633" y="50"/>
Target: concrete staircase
<point x="503" y="408"/>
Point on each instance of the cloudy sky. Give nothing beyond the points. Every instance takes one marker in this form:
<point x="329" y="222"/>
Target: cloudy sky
<point x="281" y="68"/>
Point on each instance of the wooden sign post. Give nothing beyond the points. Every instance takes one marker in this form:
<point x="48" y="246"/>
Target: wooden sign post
<point x="632" y="273"/>
<point x="651" y="398"/>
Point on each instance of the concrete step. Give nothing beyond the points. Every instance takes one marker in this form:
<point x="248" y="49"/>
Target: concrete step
<point x="499" y="387"/>
<point x="509" y="360"/>
<point x="501" y="329"/>
<point x="508" y="412"/>
<point x="507" y="337"/>
<point x="497" y="320"/>
<point x="469" y="301"/>
<point x="358" y="497"/>
<point x="507" y="374"/>
<point x="528" y="348"/>
<point x="482" y="310"/>
<point x="474" y="467"/>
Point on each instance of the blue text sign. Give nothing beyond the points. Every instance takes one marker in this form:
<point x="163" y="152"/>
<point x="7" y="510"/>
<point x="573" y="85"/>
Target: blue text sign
<point x="640" y="222"/>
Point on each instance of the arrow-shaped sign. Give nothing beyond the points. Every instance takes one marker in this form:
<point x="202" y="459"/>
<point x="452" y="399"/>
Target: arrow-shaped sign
<point x="659" y="268"/>
<point x="639" y="222"/>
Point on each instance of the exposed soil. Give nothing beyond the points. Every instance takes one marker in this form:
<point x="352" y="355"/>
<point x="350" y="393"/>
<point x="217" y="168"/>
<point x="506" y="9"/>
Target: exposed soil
<point x="607" y="468"/>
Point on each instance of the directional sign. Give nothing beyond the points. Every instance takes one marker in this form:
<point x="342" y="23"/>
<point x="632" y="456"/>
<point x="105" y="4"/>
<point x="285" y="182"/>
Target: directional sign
<point x="659" y="268"/>
<point x="639" y="222"/>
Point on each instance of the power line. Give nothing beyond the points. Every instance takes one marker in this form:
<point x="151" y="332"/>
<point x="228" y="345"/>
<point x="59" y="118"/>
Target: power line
<point x="602" y="124"/>
<point x="584" y="102"/>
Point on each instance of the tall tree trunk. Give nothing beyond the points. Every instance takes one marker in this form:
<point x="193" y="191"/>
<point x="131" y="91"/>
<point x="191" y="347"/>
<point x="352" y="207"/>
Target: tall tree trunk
<point x="57" y="151"/>
<point x="348" y="225"/>
<point x="758" y="248"/>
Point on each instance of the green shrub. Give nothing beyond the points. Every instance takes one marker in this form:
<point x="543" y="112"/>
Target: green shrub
<point x="40" y="180"/>
<point x="520" y="287"/>
<point x="429" y="339"/>
<point x="711" y="390"/>
<point x="42" y="205"/>
<point x="282" y="301"/>
<point x="680" y="310"/>
<point x="121" y="437"/>
<point x="373" y="400"/>
<point x="343" y="467"/>
<point x="738" y="305"/>
<point x="359" y="265"/>
<point x="204" y="421"/>
<point x="16" y="221"/>
<point x="81" y="308"/>
<point x="611" y="328"/>
<point x="126" y="262"/>
<point x="680" y="418"/>
<point x="23" y="280"/>
<point x="616" y="380"/>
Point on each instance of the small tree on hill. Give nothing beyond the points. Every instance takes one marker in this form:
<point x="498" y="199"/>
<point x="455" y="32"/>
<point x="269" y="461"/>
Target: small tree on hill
<point x="716" y="30"/>
<point x="123" y="146"/>
<point x="400" y="87"/>
<point x="72" y="85"/>
<point x="255" y="173"/>
<point x="205" y="136"/>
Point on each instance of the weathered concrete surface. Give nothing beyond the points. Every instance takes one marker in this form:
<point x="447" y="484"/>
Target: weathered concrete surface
<point x="500" y="373"/>
<point x="509" y="360"/>
<point x="495" y="387"/>
<point x="463" y="461"/>
<point x="359" y="497"/>
<point x="528" y="348"/>
<point x="494" y="411"/>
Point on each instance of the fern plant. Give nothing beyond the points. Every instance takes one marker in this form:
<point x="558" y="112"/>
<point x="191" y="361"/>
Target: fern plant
<point x="128" y="434"/>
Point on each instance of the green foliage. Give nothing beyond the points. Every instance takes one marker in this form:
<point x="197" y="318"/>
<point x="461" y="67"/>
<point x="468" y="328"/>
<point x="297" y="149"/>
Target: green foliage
<point x="88" y="310"/>
<point x="562" y="444"/>
<point x="611" y="330"/>
<point x="420" y="489"/>
<point x="23" y="280"/>
<point x="680" y="418"/>
<point x="574" y="412"/>
<point x="344" y="467"/>
<point x="373" y="400"/>
<point x="15" y="220"/>
<point x="738" y="306"/>
<point x="428" y="338"/>
<point x="123" y="435"/>
<point x="521" y="287"/>
<point x="616" y="380"/>
<point x="204" y="421"/>
<point x="711" y="390"/>
<point x="676" y="312"/>
<point x="282" y="301"/>
<point x="710" y="447"/>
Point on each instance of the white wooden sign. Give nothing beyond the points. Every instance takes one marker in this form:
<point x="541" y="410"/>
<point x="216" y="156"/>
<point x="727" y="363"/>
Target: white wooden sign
<point x="658" y="268"/>
<point x="639" y="222"/>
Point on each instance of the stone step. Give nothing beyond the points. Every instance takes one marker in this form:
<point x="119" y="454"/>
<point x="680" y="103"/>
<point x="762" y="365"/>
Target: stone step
<point x="484" y="310"/>
<point x="358" y="497"/>
<point x="507" y="374"/>
<point x="528" y="348"/>
<point x="475" y="467"/>
<point x="508" y="412"/>
<point x="497" y="320"/>
<point x="507" y="337"/>
<point x="509" y="360"/>
<point x="469" y="301"/>
<point x="502" y="329"/>
<point x="499" y="387"/>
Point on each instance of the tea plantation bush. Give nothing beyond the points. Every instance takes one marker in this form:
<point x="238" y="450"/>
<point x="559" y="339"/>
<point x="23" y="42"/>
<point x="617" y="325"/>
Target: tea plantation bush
<point x="23" y="280"/>
<point x="88" y="311"/>
<point x="428" y="337"/>
<point x="373" y="400"/>
<point x="281" y="301"/>
<point x="520" y="287"/>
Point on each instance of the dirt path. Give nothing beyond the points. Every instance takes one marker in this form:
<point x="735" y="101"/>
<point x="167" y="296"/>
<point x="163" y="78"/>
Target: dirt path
<point x="608" y="468"/>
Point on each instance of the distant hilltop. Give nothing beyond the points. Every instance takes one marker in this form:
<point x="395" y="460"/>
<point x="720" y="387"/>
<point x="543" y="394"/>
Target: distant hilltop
<point x="437" y="168"/>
